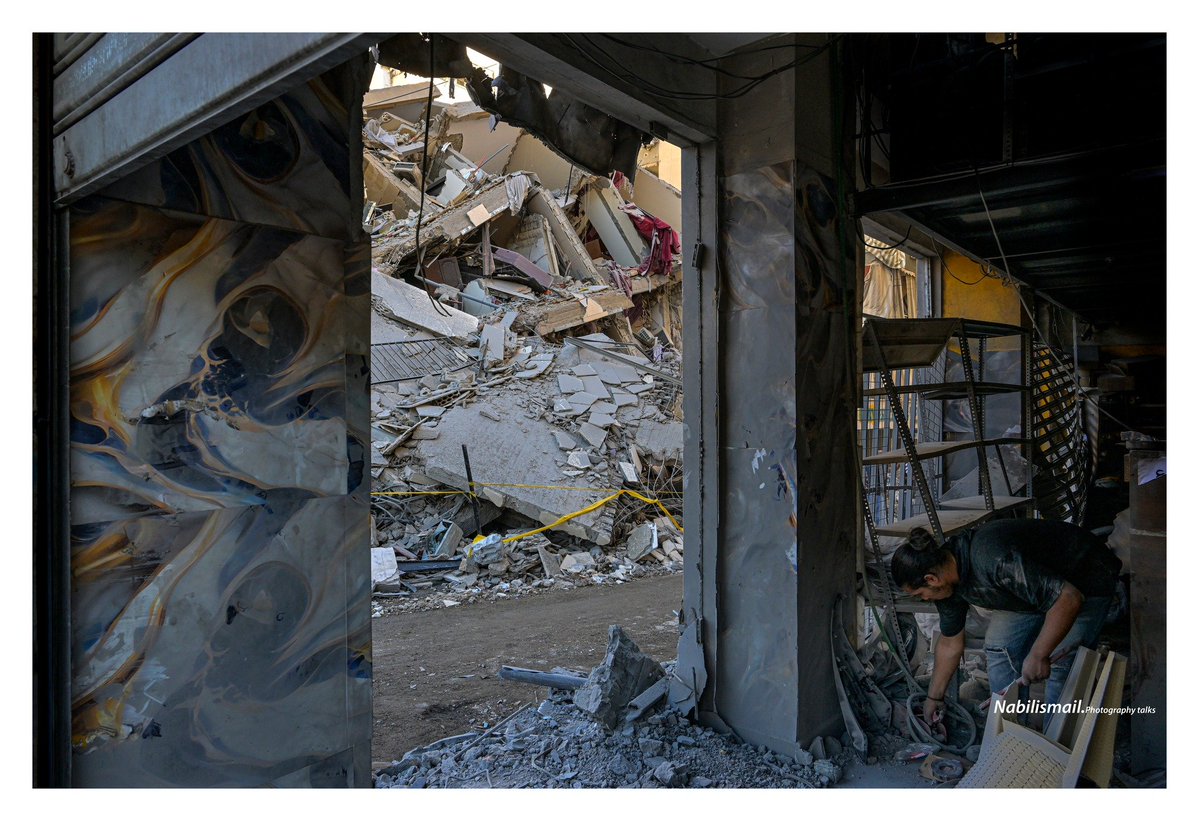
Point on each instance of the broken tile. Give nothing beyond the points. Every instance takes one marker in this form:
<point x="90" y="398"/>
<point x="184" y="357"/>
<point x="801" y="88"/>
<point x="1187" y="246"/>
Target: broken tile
<point x="578" y="459"/>
<point x="622" y="399"/>
<point x="565" y="440"/>
<point x="592" y="434"/>
<point x="616" y="373"/>
<point x="601" y="420"/>
<point x="583" y="370"/>
<point x="563" y="406"/>
<point x="604" y="407"/>
<point x="430" y="411"/>
<point x="639" y="387"/>
<point x="583" y="398"/>
<point x="569" y="384"/>
<point x="595" y="386"/>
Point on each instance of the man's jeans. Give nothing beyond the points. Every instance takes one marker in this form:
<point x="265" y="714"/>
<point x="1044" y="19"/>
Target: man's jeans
<point x="1011" y="635"/>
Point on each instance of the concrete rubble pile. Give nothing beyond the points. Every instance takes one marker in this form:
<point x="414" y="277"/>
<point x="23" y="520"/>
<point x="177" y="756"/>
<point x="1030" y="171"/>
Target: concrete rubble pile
<point x="540" y="329"/>
<point x="630" y="740"/>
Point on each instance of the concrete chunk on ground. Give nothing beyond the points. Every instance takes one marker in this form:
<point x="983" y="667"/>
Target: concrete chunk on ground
<point x="515" y="446"/>
<point x="578" y="459"/>
<point x="625" y="673"/>
<point x="383" y="564"/>
<point x="565" y="440"/>
<point x="642" y="541"/>
<point x="536" y="366"/>
<point x="577" y="563"/>
<point x="549" y="562"/>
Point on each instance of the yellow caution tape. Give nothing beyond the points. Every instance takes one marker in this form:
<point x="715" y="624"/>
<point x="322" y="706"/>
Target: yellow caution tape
<point x="590" y="509"/>
<point x="615" y="494"/>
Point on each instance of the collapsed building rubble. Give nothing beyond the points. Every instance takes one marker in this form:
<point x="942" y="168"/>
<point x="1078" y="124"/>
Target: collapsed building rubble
<point x="613" y="728"/>
<point x="526" y="394"/>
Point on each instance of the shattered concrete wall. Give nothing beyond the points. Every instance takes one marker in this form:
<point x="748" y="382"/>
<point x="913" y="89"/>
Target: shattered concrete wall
<point x="220" y="578"/>
<point x="785" y="294"/>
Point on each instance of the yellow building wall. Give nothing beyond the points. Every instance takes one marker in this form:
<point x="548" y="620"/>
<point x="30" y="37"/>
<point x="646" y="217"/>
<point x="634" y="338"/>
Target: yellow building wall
<point x="967" y="293"/>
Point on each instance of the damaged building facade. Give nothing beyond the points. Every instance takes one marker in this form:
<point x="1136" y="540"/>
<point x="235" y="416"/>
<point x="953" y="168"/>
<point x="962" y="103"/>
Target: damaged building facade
<point x="212" y="281"/>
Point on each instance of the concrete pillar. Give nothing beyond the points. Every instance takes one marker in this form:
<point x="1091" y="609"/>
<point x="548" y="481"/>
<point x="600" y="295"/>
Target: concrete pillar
<point x="772" y="505"/>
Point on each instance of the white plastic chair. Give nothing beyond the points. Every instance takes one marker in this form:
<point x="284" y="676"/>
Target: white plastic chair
<point x="1013" y="755"/>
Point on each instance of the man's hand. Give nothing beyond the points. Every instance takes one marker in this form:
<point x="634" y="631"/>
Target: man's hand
<point x="934" y="710"/>
<point x="1036" y="667"/>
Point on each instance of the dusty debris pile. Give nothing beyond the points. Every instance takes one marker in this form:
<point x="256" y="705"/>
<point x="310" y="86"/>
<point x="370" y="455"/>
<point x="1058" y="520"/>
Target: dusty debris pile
<point x="525" y="376"/>
<point x="571" y="740"/>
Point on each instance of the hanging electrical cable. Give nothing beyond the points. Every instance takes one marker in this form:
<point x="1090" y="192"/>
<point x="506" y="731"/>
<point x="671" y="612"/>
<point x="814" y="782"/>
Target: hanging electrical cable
<point x="424" y="175"/>
<point x="1036" y="330"/>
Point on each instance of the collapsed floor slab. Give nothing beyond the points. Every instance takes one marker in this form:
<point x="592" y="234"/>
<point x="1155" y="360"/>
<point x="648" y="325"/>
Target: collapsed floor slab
<point x="515" y="446"/>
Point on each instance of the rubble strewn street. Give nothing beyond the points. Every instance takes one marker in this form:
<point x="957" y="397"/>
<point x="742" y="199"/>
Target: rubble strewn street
<point x="556" y="743"/>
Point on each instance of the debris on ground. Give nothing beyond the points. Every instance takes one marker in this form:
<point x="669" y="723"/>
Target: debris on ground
<point x="557" y="744"/>
<point x="534" y="333"/>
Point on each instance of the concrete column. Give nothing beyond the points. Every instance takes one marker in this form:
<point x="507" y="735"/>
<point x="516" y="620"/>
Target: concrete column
<point x="773" y="544"/>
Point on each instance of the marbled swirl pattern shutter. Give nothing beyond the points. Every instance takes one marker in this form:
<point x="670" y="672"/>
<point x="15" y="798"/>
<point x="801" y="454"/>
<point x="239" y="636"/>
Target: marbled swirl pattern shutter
<point x="219" y="343"/>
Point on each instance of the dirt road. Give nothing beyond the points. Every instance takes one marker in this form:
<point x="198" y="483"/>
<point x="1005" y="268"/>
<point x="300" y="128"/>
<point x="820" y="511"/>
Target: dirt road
<point x="437" y="672"/>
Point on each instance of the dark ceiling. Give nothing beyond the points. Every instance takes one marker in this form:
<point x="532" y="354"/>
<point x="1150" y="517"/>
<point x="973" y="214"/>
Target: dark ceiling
<point x="1048" y="151"/>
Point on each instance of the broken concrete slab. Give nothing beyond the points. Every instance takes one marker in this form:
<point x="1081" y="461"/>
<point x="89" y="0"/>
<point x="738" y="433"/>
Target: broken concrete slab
<point x="601" y="420"/>
<point x="515" y="446"/>
<point x="536" y="366"/>
<point x="624" y="674"/>
<point x="629" y="473"/>
<point x="577" y="563"/>
<point x="583" y="370"/>
<point x="430" y="411"/>
<point x="601" y="203"/>
<point x="575" y="260"/>
<point x="383" y="564"/>
<point x="671" y="774"/>
<point x="616" y="373"/>
<point x="593" y="434"/>
<point x="664" y="440"/>
<point x="447" y="546"/>
<point x="549" y="563"/>
<point x="569" y="384"/>
<point x="565" y="440"/>
<point x="583" y="399"/>
<point x="595" y="386"/>
<point x="642" y="541"/>
<point x="578" y="459"/>
<point x="493" y="339"/>
<point x="623" y="399"/>
<point x="405" y="303"/>
<point x="640" y="387"/>
<point x="604" y="407"/>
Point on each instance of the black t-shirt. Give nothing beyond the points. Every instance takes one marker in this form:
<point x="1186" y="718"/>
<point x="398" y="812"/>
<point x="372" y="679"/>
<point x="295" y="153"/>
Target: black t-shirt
<point x="1020" y="565"/>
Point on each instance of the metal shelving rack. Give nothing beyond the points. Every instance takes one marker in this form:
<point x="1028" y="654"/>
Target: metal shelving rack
<point x="896" y="344"/>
